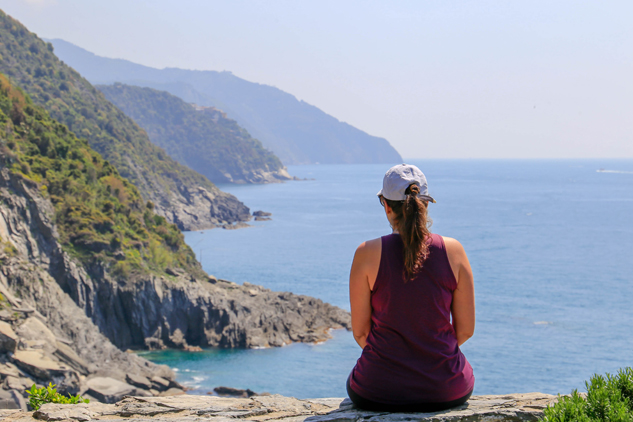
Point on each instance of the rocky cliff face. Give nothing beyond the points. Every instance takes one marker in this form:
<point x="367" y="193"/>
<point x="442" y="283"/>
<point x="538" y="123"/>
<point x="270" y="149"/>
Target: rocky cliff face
<point x="62" y="322"/>
<point x="156" y="311"/>
<point x="44" y="336"/>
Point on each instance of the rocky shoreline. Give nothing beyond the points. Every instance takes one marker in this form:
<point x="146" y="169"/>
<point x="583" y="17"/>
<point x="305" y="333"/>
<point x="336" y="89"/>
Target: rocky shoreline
<point x="513" y="407"/>
<point x="68" y="324"/>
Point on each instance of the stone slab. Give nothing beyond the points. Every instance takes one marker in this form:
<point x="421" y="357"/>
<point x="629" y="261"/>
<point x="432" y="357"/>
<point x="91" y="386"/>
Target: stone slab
<point x="36" y="363"/>
<point x="8" y="338"/>
<point x="109" y="390"/>
<point x="185" y="408"/>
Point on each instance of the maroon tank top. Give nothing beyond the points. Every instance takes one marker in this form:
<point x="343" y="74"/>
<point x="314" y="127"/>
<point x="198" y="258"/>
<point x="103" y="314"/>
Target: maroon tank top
<point x="412" y="354"/>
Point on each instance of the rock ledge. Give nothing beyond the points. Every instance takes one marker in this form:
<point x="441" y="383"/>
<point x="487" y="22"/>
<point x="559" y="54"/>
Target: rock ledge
<point x="513" y="407"/>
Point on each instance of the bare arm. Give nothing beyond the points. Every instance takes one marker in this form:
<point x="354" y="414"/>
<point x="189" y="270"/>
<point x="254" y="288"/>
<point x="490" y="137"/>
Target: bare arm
<point x="463" y="307"/>
<point x="364" y="266"/>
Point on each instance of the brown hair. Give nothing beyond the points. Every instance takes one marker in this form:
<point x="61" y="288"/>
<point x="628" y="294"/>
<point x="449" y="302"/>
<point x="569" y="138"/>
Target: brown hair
<point x="412" y="222"/>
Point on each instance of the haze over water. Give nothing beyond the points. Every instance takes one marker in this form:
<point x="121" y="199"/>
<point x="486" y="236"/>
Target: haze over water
<point x="550" y="243"/>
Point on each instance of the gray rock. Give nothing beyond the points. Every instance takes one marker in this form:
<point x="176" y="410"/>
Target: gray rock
<point x="8" y="338"/>
<point x="138" y="381"/>
<point x="160" y="384"/>
<point x="39" y="365"/>
<point x="18" y="399"/>
<point x="18" y="384"/>
<point x="514" y="407"/>
<point x="9" y="370"/>
<point x="109" y="390"/>
<point x="261" y="214"/>
<point x="7" y="400"/>
<point x="233" y="392"/>
<point x="63" y="412"/>
<point x="68" y="355"/>
<point x="7" y="316"/>
<point x="34" y="329"/>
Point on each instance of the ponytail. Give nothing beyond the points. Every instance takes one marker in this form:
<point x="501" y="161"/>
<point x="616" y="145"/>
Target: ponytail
<point x="412" y="223"/>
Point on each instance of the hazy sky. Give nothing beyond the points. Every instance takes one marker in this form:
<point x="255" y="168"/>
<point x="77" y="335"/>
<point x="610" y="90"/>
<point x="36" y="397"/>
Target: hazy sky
<point x="436" y="78"/>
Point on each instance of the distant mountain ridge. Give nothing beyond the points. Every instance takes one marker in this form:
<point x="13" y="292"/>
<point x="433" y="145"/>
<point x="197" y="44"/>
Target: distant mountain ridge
<point x="297" y="132"/>
<point x="202" y="138"/>
<point x="179" y="194"/>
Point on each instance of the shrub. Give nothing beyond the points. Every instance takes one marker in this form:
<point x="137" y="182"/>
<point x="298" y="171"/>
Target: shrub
<point x="609" y="398"/>
<point x="40" y="396"/>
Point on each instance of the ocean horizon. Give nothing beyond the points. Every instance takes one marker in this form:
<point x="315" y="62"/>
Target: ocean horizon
<point x="550" y="243"/>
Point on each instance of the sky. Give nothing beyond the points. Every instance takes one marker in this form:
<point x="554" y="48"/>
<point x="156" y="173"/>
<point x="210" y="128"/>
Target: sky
<point x="437" y="79"/>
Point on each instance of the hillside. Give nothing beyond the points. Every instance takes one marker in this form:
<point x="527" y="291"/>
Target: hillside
<point x="201" y="138"/>
<point x="180" y="194"/>
<point x="297" y="132"/>
<point x="67" y="211"/>
<point x="86" y="265"/>
<point x="100" y="216"/>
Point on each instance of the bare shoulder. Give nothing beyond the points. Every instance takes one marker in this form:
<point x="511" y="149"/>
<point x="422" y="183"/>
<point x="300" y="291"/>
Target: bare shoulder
<point x="453" y="246"/>
<point x="456" y="254"/>
<point x="369" y="248"/>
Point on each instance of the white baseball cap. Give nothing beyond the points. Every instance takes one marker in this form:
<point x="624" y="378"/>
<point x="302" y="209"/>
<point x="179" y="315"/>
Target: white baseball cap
<point x="399" y="178"/>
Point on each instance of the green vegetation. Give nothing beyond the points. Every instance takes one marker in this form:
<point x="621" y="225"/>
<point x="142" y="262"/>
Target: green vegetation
<point x="203" y="139"/>
<point x="40" y="396"/>
<point x="100" y="216"/>
<point x="609" y="398"/>
<point x="30" y="64"/>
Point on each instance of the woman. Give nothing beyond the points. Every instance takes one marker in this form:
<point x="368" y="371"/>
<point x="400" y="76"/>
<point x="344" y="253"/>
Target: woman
<point x="405" y="288"/>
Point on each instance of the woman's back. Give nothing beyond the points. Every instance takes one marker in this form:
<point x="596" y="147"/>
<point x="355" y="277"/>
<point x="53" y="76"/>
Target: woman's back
<point x="412" y="354"/>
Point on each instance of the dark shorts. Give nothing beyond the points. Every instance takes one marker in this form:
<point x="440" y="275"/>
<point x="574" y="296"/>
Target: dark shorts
<point x="365" y="404"/>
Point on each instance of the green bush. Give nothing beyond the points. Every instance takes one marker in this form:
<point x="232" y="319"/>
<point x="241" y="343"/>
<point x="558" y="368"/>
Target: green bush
<point x="40" y="396"/>
<point x="609" y="398"/>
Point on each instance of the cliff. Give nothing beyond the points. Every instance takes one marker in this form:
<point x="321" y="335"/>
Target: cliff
<point x="179" y="194"/>
<point x="202" y="138"/>
<point x="297" y="132"/>
<point x="512" y="407"/>
<point x="87" y="265"/>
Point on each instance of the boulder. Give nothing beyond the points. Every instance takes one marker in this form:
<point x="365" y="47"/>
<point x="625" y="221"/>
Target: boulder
<point x="9" y="370"/>
<point x="64" y="412"/>
<point x="138" y="381"/>
<point x="18" y="384"/>
<point x="39" y="365"/>
<point x="262" y="214"/>
<point x="8" y="338"/>
<point x="34" y="329"/>
<point x="18" y="399"/>
<point x="68" y="355"/>
<point x="7" y="316"/>
<point x="233" y="392"/>
<point x="7" y="401"/>
<point x="109" y="390"/>
<point x="159" y="383"/>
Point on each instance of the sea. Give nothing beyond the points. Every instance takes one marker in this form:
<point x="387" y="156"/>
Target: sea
<point x="550" y="243"/>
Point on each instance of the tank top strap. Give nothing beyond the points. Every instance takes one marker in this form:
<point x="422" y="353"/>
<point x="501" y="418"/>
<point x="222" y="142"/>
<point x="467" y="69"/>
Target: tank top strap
<point x="391" y="248"/>
<point x="441" y="264"/>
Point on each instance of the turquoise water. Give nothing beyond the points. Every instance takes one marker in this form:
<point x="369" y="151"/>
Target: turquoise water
<point x="550" y="243"/>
